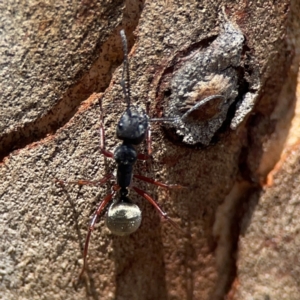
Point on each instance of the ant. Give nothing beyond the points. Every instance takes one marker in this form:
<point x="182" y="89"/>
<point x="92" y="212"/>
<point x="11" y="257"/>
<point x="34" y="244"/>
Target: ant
<point x="124" y="217"/>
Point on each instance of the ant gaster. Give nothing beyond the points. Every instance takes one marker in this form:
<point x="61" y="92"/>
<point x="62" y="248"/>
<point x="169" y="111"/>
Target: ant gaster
<point x="124" y="217"/>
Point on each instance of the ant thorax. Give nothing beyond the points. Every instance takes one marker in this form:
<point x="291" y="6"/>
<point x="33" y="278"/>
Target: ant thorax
<point x="125" y="156"/>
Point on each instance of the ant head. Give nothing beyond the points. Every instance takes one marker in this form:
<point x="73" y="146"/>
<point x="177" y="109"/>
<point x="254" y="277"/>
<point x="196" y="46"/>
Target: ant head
<point x="123" y="217"/>
<point x="132" y="126"/>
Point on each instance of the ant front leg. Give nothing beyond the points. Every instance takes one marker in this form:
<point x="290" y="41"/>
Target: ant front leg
<point x="96" y="215"/>
<point x="102" y="134"/>
<point x="149" y="141"/>
<point x="142" y="156"/>
<point x="102" y="142"/>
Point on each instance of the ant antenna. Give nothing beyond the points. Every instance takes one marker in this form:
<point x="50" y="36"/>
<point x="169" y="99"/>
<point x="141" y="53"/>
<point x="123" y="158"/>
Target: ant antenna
<point x="125" y="82"/>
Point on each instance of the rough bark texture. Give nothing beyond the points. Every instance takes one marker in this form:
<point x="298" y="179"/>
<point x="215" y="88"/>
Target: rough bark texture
<point x="59" y="61"/>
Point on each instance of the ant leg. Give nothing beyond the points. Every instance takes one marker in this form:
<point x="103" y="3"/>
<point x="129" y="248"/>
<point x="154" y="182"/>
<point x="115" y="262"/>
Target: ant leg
<point x="86" y="182"/>
<point x="148" y="137"/>
<point x="100" y="208"/>
<point x="160" y="211"/>
<point x="147" y="156"/>
<point x="148" y="142"/>
<point x="158" y="183"/>
<point x="102" y="135"/>
<point x="142" y="156"/>
<point x="102" y="143"/>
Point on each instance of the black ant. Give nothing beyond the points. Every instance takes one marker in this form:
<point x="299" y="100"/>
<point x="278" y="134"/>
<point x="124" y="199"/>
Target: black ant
<point x="124" y="217"/>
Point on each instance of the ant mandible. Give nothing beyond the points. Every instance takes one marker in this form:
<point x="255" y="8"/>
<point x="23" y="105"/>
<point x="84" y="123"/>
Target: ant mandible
<point x="124" y="217"/>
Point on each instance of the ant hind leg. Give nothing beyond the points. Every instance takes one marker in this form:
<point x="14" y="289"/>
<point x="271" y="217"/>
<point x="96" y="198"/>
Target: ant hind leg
<point x="162" y="213"/>
<point x="158" y="183"/>
<point x="94" y="220"/>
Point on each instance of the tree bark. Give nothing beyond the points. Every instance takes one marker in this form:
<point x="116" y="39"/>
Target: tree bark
<point x="238" y="209"/>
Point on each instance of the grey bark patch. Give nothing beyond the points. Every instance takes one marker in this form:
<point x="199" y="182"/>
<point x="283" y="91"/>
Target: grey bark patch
<point x="199" y="87"/>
